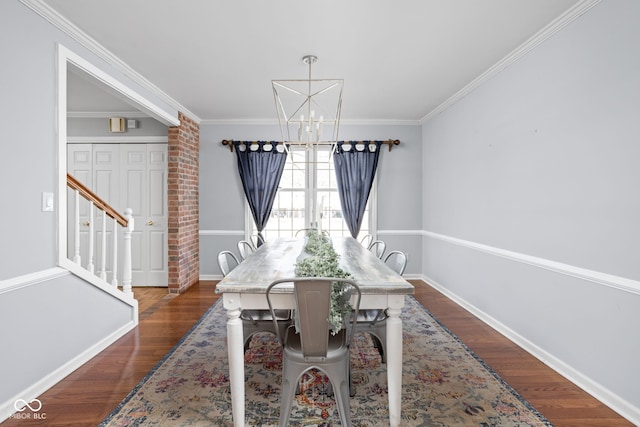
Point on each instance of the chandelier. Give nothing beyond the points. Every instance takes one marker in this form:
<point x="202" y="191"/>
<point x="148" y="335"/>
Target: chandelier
<point x="308" y="110"/>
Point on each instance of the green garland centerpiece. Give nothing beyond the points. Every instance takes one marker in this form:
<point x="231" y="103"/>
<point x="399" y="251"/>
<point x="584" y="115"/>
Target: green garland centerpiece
<point x="323" y="262"/>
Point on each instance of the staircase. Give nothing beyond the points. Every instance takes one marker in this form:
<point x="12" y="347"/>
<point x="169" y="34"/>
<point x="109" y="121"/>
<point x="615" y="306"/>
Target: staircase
<point x="121" y="225"/>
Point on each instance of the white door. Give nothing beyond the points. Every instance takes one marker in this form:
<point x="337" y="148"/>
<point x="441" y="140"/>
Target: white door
<point x="106" y="178"/>
<point x="97" y="167"/>
<point x="80" y="166"/>
<point x="125" y="176"/>
<point x="143" y="187"/>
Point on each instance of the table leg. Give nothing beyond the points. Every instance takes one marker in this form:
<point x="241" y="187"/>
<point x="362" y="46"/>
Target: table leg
<point x="236" y="365"/>
<point x="394" y="364"/>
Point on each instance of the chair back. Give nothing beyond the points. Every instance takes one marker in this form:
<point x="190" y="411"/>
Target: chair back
<point x="257" y="240"/>
<point x="397" y="260"/>
<point x="303" y="232"/>
<point x="366" y="240"/>
<point x="227" y="261"/>
<point x="245" y="248"/>
<point x="313" y="305"/>
<point x="377" y="248"/>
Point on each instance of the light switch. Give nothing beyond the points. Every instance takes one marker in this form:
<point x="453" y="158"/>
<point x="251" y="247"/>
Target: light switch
<point x="47" y="202"/>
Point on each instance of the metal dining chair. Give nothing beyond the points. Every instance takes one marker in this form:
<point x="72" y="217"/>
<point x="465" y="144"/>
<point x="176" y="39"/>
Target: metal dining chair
<point x="245" y="248"/>
<point x="227" y="261"/>
<point x="377" y="248"/>
<point x="366" y="240"/>
<point x="253" y="321"/>
<point x="373" y="322"/>
<point x="397" y="260"/>
<point x="313" y="346"/>
<point x="257" y="240"/>
<point x="303" y="231"/>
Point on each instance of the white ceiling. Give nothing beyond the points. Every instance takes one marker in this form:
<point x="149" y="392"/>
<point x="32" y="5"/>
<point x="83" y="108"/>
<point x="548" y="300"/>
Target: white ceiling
<point x="400" y="60"/>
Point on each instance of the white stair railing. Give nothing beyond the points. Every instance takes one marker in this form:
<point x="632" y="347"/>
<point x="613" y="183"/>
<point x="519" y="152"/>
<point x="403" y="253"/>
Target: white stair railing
<point x="122" y="225"/>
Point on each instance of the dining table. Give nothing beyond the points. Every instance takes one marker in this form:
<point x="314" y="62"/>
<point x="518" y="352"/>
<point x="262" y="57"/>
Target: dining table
<point x="244" y="288"/>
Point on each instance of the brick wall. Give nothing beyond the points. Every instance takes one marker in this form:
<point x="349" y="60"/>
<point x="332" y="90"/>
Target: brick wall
<point x="183" y="224"/>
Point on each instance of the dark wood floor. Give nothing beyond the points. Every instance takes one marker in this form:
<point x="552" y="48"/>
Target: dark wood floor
<point x="90" y="393"/>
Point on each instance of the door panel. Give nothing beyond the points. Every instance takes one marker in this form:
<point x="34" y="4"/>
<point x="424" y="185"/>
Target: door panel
<point x="79" y="165"/>
<point x="157" y="211"/>
<point x="144" y="188"/>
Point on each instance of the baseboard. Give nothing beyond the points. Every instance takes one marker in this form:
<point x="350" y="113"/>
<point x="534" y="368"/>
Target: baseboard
<point x="210" y="277"/>
<point x="595" y="389"/>
<point x="35" y="390"/>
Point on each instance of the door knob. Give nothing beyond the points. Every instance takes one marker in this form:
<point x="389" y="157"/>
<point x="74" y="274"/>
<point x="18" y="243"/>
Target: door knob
<point x="150" y="222"/>
<point x="86" y="223"/>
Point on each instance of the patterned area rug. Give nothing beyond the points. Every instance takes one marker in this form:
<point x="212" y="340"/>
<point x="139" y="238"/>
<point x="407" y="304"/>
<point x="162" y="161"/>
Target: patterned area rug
<point x="444" y="383"/>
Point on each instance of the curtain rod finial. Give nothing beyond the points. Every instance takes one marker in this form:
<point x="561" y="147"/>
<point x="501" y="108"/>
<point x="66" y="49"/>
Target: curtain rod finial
<point x="229" y="143"/>
<point x="392" y="142"/>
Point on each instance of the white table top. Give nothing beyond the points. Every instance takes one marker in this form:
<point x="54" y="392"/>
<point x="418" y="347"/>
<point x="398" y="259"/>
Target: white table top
<point x="276" y="259"/>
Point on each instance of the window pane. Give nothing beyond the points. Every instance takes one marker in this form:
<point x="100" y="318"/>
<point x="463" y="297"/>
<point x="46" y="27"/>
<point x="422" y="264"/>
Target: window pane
<point x="324" y="169"/>
<point x="287" y="215"/>
<point x="290" y="213"/>
<point x="297" y="164"/>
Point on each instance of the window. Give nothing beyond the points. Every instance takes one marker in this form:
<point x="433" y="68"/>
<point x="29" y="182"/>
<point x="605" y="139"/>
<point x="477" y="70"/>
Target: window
<point x="308" y="198"/>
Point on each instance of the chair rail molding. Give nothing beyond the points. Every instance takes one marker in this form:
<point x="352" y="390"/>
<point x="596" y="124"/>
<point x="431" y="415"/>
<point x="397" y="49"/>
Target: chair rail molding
<point x="16" y="283"/>
<point x="612" y="281"/>
<point x="221" y="232"/>
<point x="400" y="232"/>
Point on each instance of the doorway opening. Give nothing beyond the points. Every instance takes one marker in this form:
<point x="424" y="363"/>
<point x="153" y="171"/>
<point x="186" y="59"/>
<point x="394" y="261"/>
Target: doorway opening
<point x="73" y="69"/>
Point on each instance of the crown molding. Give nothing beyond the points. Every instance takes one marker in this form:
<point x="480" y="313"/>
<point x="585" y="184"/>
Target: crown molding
<point x="556" y="25"/>
<point x="57" y="20"/>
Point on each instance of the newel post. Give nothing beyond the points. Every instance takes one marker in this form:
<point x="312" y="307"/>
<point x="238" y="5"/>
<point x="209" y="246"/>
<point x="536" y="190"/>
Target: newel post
<point x="126" y="268"/>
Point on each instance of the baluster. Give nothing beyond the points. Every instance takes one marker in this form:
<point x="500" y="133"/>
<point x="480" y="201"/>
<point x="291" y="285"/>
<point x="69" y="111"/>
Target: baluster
<point x="126" y="267"/>
<point x="76" y="232"/>
<point x="90" y="266"/>
<point x="103" y="272"/>
<point x="114" y="277"/>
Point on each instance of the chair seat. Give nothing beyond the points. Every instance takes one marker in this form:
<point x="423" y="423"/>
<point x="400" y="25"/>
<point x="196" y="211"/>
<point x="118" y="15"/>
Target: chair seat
<point x="373" y="322"/>
<point x="335" y="347"/>
<point x="255" y="321"/>
<point x="374" y="315"/>
<point x="264" y="315"/>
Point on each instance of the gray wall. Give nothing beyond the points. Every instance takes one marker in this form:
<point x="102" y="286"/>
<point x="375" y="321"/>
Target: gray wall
<point x="222" y="211"/>
<point x="67" y="317"/>
<point x="531" y="207"/>
<point x="29" y="150"/>
<point x="54" y="336"/>
<point x="99" y="127"/>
